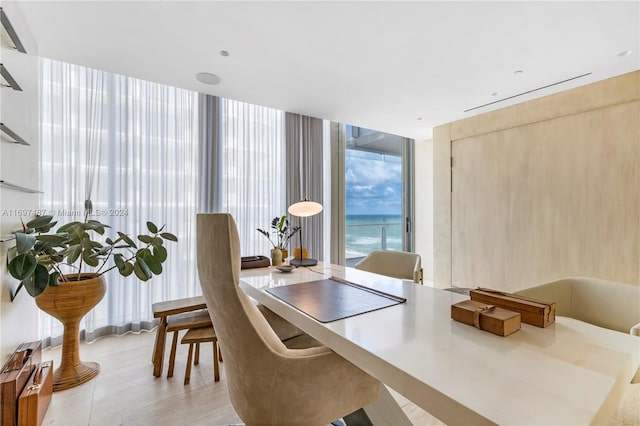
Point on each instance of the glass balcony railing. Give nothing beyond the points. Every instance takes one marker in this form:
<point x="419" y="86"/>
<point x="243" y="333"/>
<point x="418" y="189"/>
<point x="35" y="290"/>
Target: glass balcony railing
<point x="364" y="237"/>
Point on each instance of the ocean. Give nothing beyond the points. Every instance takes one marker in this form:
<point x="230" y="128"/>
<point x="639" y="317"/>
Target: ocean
<point x="367" y="233"/>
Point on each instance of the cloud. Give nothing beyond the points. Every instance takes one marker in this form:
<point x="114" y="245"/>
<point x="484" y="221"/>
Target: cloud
<point x="373" y="186"/>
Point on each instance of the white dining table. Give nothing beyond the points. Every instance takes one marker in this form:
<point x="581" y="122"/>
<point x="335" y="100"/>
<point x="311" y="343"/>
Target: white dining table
<point x="570" y="373"/>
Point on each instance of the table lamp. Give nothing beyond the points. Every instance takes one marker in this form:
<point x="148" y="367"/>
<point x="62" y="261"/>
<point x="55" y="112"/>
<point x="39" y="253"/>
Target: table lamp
<point x="304" y="209"/>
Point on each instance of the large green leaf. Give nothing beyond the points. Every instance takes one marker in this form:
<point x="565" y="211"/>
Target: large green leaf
<point x="127" y="240"/>
<point x="160" y="253"/>
<point x="139" y="270"/>
<point x="74" y="253"/>
<point x="38" y="282"/>
<point x="170" y="237"/>
<point x="119" y="260"/>
<point x="154" y="265"/>
<point x="53" y="279"/>
<point x="89" y="259"/>
<point x="57" y="239"/>
<point x="24" y="242"/>
<point x="39" y="221"/>
<point x="145" y="239"/>
<point x="128" y="269"/>
<point x="22" y="266"/>
<point x="66" y="227"/>
<point x="152" y="227"/>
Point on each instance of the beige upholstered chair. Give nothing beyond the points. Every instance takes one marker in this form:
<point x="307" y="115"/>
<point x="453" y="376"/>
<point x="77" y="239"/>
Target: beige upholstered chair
<point x="396" y="264"/>
<point x="269" y="384"/>
<point x="608" y="304"/>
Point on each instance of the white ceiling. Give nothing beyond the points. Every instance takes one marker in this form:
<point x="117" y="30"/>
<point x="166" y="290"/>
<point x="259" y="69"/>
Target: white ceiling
<point x="380" y="65"/>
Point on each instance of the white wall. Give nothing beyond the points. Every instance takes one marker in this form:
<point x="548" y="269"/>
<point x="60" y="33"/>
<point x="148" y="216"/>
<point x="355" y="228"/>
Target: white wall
<point x="424" y="205"/>
<point x="19" y="165"/>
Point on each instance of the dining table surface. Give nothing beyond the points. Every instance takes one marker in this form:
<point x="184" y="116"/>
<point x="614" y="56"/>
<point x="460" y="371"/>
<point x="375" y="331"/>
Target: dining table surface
<point x="569" y="373"/>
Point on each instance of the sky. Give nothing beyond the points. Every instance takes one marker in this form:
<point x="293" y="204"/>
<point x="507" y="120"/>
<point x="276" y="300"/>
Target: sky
<point x="374" y="183"/>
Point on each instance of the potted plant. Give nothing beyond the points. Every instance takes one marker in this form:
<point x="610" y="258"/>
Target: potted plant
<point x="52" y="269"/>
<point x="283" y="234"/>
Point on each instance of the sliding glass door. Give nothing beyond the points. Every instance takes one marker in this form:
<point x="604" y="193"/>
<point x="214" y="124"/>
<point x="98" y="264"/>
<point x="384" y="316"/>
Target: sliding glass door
<point x="375" y="192"/>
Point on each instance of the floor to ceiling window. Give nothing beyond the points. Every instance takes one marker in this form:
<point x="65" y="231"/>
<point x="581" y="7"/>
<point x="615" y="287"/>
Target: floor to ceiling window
<point x="377" y="193"/>
<point x="130" y="146"/>
<point x="133" y="148"/>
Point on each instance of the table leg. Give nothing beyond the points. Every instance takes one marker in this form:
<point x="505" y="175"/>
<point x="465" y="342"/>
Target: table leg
<point x="386" y="411"/>
<point x="158" y="347"/>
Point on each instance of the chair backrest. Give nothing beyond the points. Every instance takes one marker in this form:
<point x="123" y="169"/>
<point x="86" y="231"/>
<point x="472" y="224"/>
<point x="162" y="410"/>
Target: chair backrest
<point x="609" y="304"/>
<point x="268" y="383"/>
<point x="396" y="264"/>
<point x="249" y="345"/>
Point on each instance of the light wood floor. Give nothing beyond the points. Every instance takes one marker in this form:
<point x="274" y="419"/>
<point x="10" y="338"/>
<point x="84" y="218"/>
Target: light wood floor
<point x="126" y="393"/>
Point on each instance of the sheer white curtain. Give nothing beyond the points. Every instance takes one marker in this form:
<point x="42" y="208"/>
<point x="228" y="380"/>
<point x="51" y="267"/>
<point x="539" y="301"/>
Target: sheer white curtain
<point x="252" y="170"/>
<point x="145" y="169"/>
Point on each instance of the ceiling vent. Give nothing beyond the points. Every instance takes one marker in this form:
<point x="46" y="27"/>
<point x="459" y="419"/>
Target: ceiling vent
<point x="527" y="92"/>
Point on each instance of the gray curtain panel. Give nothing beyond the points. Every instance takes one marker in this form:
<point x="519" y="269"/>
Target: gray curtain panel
<point x="209" y="147"/>
<point x="304" y="175"/>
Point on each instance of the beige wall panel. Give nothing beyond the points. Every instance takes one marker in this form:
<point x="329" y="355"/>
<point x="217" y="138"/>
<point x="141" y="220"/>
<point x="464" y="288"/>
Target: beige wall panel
<point x="423" y="199"/>
<point x="617" y="90"/>
<point x="442" y="206"/>
<point x="547" y="200"/>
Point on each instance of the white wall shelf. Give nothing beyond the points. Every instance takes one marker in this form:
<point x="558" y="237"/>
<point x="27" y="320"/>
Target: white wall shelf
<point x="13" y="35"/>
<point x="8" y="185"/>
<point x="13" y="135"/>
<point x="11" y="82"/>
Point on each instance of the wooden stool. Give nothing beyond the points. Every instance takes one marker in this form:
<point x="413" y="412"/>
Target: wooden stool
<point x="184" y="321"/>
<point x="162" y="310"/>
<point x="196" y="336"/>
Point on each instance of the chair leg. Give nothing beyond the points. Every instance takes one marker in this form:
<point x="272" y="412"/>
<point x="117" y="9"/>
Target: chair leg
<point x="172" y="356"/>
<point x="197" y="359"/>
<point x="187" y="373"/>
<point x="216" y="367"/>
<point x="219" y="353"/>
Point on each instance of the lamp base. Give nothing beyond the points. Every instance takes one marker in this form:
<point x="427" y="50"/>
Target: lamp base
<point x="303" y="262"/>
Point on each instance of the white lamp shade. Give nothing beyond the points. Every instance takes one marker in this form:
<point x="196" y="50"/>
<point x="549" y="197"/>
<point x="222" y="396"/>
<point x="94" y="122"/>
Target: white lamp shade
<point x="305" y="208"/>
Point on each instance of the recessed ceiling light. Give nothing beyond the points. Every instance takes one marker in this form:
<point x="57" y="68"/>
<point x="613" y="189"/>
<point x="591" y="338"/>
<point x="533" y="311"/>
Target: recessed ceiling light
<point x="495" y="93"/>
<point x="518" y="72"/>
<point x="207" y="78"/>
<point x="625" y="53"/>
<point x="224" y="53"/>
<point x="419" y="118"/>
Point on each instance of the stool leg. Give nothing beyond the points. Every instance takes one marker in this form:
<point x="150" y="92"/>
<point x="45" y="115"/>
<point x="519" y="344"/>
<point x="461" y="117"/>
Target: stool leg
<point x="219" y="353"/>
<point x="172" y="356"/>
<point x="216" y="367"/>
<point x="158" y="347"/>
<point x="197" y="360"/>
<point x="187" y="373"/>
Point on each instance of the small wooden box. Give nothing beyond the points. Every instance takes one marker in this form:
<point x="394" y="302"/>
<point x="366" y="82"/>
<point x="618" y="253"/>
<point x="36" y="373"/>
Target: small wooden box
<point x="533" y="311"/>
<point x="36" y="396"/>
<point x="486" y="317"/>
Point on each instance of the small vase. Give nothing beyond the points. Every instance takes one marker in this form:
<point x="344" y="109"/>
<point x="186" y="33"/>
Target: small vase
<point x="276" y="257"/>
<point x="285" y="253"/>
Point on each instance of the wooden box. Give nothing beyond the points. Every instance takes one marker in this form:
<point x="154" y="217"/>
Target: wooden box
<point x="13" y="378"/>
<point x="486" y="317"/>
<point x="36" y="396"/>
<point x="533" y="311"/>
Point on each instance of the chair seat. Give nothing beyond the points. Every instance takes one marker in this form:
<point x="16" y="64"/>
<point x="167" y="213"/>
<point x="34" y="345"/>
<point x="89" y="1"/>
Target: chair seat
<point x="199" y="335"/>
<point x="184" y="321"/>
<point x="187" y="320"/>
<point x="195" y="336"/>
